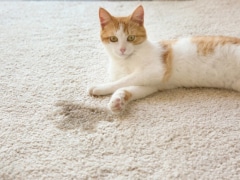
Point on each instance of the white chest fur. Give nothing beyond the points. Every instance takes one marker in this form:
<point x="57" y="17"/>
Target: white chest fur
<point x="146" y="59"/>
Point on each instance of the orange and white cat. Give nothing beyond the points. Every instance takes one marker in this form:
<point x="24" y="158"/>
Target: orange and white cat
<point x="139" y="67"/>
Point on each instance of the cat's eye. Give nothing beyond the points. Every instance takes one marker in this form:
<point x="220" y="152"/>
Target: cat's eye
<point x="113" y="39"/>
<point x="131" y="38"/>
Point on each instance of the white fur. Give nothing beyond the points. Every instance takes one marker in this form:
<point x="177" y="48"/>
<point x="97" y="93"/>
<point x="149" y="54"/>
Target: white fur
<point x="141" y="70"/>
<point x="219" y="69"/>
<point x="143" y="58"/>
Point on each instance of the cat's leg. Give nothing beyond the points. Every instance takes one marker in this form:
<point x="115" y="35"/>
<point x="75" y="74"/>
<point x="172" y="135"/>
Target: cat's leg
<point x="111" y="87"/>
<point x="134" y="79"/>
<point x="123" y="96"/>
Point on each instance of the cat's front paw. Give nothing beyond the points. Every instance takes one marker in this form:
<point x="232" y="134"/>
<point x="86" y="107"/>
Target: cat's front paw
<point x="93" y="91"/>
<point x="98" y="90"/>
<point x="118" y="101"/>
<point x="90" y="90"/>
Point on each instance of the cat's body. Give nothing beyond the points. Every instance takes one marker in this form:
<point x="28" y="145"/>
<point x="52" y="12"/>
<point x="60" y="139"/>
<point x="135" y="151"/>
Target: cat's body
<point x="139" y="67"/>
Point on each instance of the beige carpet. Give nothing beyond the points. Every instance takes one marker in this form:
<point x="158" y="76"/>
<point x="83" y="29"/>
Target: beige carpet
<point x="50" y="52"/>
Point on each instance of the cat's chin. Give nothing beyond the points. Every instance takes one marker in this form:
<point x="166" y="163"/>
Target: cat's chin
<point x="123" y="56"/>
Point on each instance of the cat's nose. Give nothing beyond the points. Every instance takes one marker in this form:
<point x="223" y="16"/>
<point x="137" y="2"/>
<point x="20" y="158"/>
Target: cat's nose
<point x="123" y="50"/>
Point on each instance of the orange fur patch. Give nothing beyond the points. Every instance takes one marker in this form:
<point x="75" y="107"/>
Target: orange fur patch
<point x="167" y="57"/>
<point x="127" y="96"/>
<point x="206" y="45"/>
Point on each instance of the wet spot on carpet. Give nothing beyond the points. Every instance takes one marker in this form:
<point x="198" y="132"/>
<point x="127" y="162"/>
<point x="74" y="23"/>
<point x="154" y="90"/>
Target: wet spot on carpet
<point x="71" y="115"/>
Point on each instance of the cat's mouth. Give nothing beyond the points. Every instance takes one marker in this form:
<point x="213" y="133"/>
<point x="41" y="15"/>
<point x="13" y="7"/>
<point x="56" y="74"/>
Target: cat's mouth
<point x="124" y="56"/>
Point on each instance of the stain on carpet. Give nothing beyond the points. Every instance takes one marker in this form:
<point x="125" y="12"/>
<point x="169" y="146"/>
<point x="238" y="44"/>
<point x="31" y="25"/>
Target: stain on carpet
<point x="71" y="115"/>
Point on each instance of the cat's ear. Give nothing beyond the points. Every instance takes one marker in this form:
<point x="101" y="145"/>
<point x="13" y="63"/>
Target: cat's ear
<point x="104" y="17"/>
<point x="138" y="15"/>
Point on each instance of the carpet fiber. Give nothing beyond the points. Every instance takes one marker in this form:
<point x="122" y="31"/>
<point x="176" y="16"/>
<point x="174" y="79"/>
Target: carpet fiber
<point x="50" y="52"/>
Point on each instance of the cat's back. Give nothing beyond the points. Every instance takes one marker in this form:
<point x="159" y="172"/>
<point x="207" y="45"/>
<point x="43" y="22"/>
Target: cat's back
<point x="204" y="46"/>
<point x="204" y="61"/>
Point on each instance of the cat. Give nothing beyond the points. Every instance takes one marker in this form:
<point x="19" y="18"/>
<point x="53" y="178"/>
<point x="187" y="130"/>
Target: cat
<point x="139" y="67"/>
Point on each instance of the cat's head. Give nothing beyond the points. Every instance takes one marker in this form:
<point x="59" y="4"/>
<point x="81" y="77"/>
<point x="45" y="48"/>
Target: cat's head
<point x="122" y="35"/>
